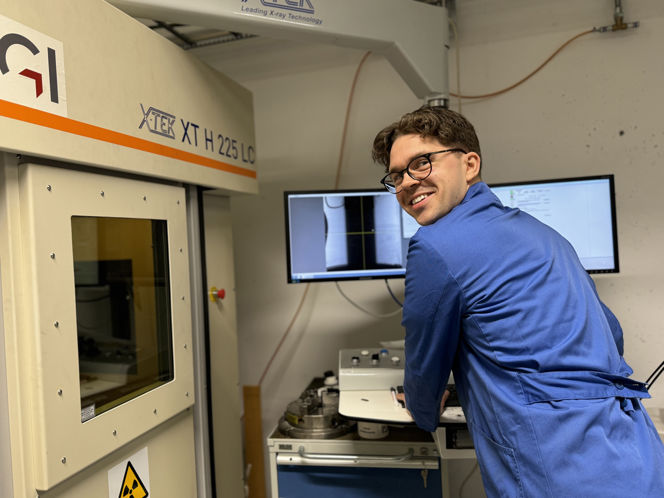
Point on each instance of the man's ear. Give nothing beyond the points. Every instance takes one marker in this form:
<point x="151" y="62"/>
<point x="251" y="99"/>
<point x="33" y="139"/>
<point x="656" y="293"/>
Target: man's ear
<point x="472" y="163"/>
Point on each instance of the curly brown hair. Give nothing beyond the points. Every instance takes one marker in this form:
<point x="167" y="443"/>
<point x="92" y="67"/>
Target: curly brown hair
<point x="449" y="127"/>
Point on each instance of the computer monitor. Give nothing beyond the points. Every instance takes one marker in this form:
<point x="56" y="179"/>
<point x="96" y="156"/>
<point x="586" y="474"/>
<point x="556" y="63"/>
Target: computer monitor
<point x="364" y="234"/>
<point x="581" y="209"/>
<point x="346" y="235"/>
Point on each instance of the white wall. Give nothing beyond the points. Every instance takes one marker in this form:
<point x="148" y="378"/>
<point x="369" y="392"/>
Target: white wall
<point x="594" y="109"/>
<point x="299" y="124"/>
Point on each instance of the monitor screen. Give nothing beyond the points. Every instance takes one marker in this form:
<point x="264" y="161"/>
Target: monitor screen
<point x="364" y="234"/>
<point x="346" y="235"/>
<point x="581" y="209"/>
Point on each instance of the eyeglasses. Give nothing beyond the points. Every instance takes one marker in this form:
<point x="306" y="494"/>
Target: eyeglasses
<point x="418" y="169"/>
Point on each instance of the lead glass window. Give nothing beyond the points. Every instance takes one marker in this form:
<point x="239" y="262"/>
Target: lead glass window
<point x="123" y="309"/>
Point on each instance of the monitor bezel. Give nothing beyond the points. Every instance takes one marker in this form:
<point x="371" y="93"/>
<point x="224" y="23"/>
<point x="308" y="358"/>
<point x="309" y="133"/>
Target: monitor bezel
<point x="369" y="191"/>
<point x="332" y="277"/>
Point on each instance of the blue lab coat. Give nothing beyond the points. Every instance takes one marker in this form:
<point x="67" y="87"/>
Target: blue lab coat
<point x="503" y="301"/>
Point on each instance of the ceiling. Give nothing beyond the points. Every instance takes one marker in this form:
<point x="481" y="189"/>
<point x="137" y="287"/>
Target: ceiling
<point x="244" y="56"/>
<point x="192" y="37"/>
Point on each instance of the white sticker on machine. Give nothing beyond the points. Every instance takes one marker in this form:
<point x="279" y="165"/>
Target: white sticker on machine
<point x="131" y="477"/>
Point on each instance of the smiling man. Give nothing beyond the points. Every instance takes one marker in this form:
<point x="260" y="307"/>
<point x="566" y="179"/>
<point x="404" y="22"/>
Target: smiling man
<point x="502" y="300"/>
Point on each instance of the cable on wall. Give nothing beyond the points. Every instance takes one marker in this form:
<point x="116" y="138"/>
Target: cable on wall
<point x="457" y="63"/>
<point x="336" y="186"/>
<point x="467" y="478"/>
<point x="618" y="25"/>
<point x="364" y="310"/>
<point x="523" y="80"/>
<point x="389" y="289"/>
<point x="345" y="128"/>
<point x="288" y="329"/>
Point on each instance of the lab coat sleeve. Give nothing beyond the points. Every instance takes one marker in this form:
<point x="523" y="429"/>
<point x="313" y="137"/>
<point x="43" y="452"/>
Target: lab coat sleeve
<point x="616" y="329"/>
<point x="432" y="318"/>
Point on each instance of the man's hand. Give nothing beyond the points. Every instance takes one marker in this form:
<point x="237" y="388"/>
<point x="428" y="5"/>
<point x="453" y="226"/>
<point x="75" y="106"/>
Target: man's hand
<point x="446" y="394"/>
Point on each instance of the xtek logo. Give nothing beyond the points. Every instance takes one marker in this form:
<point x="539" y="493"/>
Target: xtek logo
<point x="16" y="39"/>
<point x="158" y="122"/>
<point x="297" y="5"/>
<point x="31" y="68"/>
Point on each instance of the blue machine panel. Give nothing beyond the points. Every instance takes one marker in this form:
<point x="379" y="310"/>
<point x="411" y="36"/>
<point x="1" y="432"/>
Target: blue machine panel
<point x="357" y="482"/>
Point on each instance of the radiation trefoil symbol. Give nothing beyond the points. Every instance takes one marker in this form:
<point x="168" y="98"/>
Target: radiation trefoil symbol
<point x="132" y="486"/>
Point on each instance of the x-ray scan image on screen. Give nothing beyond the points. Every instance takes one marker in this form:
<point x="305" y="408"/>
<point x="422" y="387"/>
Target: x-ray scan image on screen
<point x="345" y="235"/>
<point x="364" y="234"/>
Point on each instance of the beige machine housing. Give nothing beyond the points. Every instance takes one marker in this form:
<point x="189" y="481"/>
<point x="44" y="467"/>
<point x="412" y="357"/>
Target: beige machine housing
<point x="133" y="128"/>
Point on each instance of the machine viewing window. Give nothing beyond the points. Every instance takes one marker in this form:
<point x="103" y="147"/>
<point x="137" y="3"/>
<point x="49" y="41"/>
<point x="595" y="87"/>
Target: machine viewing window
<point x="123" y="310"/>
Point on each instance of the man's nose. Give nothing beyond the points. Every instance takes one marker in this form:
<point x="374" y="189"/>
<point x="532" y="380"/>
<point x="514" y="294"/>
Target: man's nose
<point x="408" y="182"/>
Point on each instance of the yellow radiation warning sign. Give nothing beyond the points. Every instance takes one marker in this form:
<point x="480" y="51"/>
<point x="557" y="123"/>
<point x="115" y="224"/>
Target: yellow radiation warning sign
<point x="132" y="486"/>
<point x="130" y="477"/>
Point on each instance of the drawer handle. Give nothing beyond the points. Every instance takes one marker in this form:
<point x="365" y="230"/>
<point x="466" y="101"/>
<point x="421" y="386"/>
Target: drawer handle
<point x="334" y="456"/>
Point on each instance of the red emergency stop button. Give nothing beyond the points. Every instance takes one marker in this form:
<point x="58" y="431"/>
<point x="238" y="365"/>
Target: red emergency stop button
<point x="217" y="294"/>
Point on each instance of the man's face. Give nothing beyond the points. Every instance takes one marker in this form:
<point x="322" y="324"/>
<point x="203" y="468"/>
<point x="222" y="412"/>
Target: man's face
<point x="430" y="199"/>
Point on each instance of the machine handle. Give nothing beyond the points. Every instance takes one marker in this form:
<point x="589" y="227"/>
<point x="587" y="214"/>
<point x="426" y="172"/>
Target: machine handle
<point x="334" y="456"/>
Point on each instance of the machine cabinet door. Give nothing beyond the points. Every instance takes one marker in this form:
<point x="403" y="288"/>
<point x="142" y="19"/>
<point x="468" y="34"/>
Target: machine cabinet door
<point x="108" y="321"/>
<point x="223" y="353"/>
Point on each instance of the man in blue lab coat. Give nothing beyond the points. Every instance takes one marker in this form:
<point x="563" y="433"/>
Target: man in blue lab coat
<point x="503" y="301"/>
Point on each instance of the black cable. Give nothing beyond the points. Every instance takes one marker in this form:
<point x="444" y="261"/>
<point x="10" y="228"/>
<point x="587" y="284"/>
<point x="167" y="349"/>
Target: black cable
<point x="654" y="376"/>
<point x="364" y="310"/>
<point x="387" y="284"/>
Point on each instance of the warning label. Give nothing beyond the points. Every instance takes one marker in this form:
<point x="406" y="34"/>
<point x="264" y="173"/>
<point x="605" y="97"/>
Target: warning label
<point x="130" y="477"/>
<point x="132" y="486"/>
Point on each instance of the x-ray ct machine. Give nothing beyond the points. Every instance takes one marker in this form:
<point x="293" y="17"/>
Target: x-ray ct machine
<point x="109" y="135"/>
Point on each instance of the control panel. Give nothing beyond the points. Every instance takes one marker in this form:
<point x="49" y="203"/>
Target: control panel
<point x="370" y="368"/>
<point x="370" y="378"/>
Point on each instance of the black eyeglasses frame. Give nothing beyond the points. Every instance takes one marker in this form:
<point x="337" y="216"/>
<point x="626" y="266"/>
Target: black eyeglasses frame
<point x="395" y="189"/>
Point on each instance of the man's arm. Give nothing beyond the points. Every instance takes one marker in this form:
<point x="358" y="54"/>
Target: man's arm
<point x="432" y="318"/>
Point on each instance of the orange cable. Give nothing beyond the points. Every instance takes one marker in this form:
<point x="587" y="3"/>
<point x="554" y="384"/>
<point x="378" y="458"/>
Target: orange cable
<point x="504" y="90"/>
<point x="345" y="128"/>
<point x="283" y="338"/>
<point x="336" y="186"/>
